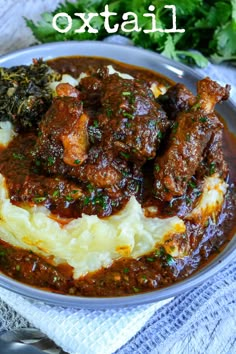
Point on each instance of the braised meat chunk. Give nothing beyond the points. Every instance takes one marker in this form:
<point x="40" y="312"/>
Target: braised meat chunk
<point x="101" y="169"/>
<point x="104" y="141"/>
<point x="65" y="149"/>
<point x="191" y="134"/>
<point x="63" y="137"/>
<point x="213" y="157"/>
<point x="132" y="123"/>
<point x="63" y="146"/>
<point x="209" y="94"/>
<point x="177" y="99"/>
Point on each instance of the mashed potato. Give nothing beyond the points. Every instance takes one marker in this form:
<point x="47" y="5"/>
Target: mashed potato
<point x="66" y="78"/>
<point x="210" y="202"/>
<point x="86" y="243"/>
<point x="6" y="133"/>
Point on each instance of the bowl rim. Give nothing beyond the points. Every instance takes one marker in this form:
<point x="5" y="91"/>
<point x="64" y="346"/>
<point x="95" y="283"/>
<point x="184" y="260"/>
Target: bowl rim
<point x="210" y="269"/>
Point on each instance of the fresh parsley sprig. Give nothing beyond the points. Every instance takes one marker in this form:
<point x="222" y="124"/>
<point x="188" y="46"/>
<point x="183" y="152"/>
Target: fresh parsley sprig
<point x="210" y="27"/>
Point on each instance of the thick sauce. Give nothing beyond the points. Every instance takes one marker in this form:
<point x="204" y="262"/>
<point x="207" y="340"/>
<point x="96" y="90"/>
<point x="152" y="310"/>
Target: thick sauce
<point x="27" y="183"/>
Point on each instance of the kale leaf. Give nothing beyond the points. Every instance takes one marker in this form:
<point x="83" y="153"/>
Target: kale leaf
<point x="24" y="93"/>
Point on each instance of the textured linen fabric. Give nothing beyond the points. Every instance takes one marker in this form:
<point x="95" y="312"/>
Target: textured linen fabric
<point x="82" y="331"/>
<point x="202" y="321"/>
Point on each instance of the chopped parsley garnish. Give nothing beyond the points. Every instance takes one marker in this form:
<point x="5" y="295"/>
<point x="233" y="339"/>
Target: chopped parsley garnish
<point x="125" y="173"/>
<point x="126" y="270"/>
<point x="188" y="137"/>
<point x="157" y="167"/>
<point x="160" y="252"/>
<point x="188" y="200"/>
<point x="192" y="184"/>
<point x="196" y="106"/>
<point x="2" y="253"/>
<point x="203" y="119"/>
<point x="101" y="200"/>
<point x="51" y="161"/>
<point x="109" y="112"/>
<point x="95" y="124"/>
<point x="170" y="260"/>
<point x="125" y="154"/>
<point x="86" y="200"/>
<point x="136" y="290"/>
<point x="128" y="125"/>
<point x="69" y="198"/>
<point x="74" y="191"/>
<point x="90" y="188"/>
<point x="207" y="223"/>
<point x="18" y="156"/>
<point x="128" y="115"/>
<point x="126" y="93"/>
<point x="56" y="193"/>
<point x="212" y="168"/>
<point x="77" y="162"/>
<point x="175" y="127"/>
<point x="37" y="163"/>
<point x="159" y="135"/>
<point x="39" y="199"/>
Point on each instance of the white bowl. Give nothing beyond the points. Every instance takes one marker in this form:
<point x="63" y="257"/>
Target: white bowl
<point x="175" y="71"/>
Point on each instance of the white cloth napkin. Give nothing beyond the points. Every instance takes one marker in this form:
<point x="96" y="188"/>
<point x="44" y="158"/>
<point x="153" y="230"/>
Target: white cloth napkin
<point x="81" y="331"/>
<point x="201" y="321"/>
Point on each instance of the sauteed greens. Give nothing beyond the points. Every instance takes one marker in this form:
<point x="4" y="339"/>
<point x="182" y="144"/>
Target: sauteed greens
<point x="24" y="93"/>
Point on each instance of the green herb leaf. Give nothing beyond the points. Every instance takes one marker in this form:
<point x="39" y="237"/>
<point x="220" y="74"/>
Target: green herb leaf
<point x="203" y="119"/>
<point x="128" y="115"/>
<point x="212" y="168"/>
<point x="170" y="260"/>
<point x="136" y="290"/>
<point x="51" y="161"/>
<point x="126" y="270"/>
<point x="56" y="194"/>
<point x="125" y="154"/>
<point x="157" y="167"/>
<point x="69" y="198"/>
<point x="18" y="156"/>
<point x="39" y="199"/>
<point x="209" y="27"/>
<point x="192" y="184"/>
<point x="77" y="162"/>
